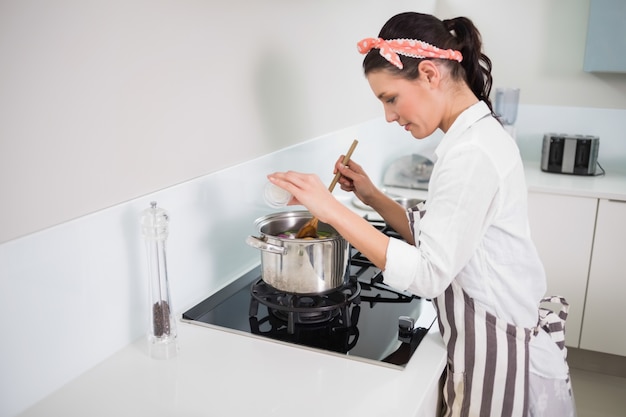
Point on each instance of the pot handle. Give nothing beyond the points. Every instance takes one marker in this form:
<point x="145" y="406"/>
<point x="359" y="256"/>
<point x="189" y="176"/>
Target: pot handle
<point x="259" y="243"/>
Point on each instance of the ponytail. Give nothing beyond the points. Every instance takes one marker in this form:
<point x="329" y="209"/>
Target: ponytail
<point x="476" y="64"/>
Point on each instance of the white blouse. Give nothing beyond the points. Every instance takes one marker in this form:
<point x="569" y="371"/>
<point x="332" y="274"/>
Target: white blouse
<point x="476" y="231"/>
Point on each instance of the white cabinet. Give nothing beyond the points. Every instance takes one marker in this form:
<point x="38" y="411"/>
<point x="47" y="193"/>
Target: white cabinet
<point x="604" y="325"/>
<point x="562" y="228"/>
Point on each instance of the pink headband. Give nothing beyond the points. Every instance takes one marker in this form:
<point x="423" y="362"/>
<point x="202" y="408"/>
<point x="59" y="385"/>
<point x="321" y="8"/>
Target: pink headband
<point x="389" y="49"/>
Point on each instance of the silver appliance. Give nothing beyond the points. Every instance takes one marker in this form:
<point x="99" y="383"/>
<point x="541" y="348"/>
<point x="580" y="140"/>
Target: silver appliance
<point x="570" y="154"/>
<point x="409" y="171"/>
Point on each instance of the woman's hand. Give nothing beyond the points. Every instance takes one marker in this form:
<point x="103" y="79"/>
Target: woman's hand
<point x="353" y="178"/>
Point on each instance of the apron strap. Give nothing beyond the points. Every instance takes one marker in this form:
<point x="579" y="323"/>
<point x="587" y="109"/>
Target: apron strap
<point x="553" y="322"/>
<point x="415" y="214"/>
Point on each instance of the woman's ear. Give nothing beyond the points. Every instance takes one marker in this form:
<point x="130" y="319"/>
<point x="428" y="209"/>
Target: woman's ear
<point x="430" y="72"/>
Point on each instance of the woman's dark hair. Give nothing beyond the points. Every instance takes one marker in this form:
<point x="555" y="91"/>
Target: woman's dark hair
<point x="458" y="33"/>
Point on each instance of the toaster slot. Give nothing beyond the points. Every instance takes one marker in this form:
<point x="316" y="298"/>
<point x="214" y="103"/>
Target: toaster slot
<point x="583" y="153"/>
<point x="555" y="155"/>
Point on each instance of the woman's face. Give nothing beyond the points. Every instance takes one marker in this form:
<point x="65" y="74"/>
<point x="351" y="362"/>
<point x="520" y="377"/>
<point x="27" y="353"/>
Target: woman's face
<point x="412" y="104"/>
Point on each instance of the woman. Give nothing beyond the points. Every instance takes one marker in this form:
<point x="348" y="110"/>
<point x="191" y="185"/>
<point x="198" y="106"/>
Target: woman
<point x="469" y="246"/>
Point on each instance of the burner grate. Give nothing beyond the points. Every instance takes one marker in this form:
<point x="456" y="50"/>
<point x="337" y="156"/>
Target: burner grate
<point x="305" y="309"/>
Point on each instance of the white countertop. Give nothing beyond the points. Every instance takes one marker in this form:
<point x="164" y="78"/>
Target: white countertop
<point x="220" y="373"/>
<point x="612" y="185"/>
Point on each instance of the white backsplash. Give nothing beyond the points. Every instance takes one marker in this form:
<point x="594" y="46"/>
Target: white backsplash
<point x="608" y="124"/>
<point x="72" y="295"/>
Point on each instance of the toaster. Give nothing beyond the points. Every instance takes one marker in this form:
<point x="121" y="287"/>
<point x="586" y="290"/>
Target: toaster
<point x="570" y="154"/>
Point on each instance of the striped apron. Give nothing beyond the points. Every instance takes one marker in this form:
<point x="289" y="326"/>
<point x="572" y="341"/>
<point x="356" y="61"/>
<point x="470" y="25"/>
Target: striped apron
<point x="488" y="358"/>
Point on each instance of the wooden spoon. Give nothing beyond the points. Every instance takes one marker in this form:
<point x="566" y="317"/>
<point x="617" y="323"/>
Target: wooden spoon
<point x="309" y="230"/>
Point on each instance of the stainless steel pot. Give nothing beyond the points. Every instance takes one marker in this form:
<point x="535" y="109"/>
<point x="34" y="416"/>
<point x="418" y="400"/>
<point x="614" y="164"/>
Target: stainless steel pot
<point x="300" y="266"/>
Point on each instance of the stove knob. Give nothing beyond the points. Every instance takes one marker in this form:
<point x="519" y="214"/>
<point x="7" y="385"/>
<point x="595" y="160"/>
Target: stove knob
<point x="405" y="328"/>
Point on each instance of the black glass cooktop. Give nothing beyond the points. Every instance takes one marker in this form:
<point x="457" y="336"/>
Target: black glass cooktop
<point x="364" y="320"/>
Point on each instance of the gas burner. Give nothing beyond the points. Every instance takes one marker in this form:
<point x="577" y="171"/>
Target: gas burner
<point x="305" y="309"/>
<point x="306" y="317"/>
<point x="333" y="335"/>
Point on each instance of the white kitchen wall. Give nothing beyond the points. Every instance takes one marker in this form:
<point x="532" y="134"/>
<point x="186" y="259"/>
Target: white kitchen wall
<point x="539" y="46"/>
<point x="105" y="101"/>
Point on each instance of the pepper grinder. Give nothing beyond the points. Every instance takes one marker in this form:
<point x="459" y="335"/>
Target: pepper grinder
<point x="162" y="329"/>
